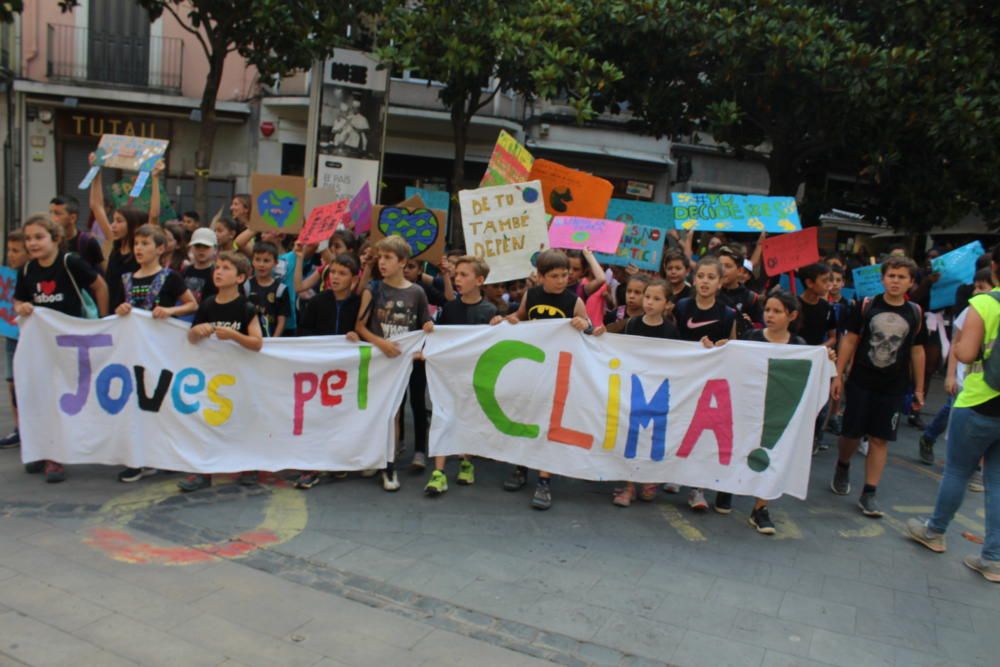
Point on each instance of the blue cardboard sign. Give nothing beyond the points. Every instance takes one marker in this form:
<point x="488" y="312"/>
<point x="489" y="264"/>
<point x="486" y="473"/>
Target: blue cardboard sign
<point x="646" y="227"/>
<point x="735" y="213"/>
<point x="8" y="323"/>
<point x="957" y="267"/>
<point x="868" y="281"/>
<point x="437" y="200"/>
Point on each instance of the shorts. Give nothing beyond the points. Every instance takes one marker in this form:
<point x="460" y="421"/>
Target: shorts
<point x="11" y="346"/>
<point x="870" y="413"/>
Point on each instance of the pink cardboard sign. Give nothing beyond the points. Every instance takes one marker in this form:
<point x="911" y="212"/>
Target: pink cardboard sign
<point x="361" y="210"/>
<point x="323" y="221"/>
<point x="579" y="233"/>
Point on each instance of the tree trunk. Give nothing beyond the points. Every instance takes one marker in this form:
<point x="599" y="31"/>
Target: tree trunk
<point x="460" y="132"/>
<point x="206" y="135"/>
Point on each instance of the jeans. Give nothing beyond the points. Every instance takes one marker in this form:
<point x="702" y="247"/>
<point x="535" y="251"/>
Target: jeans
<point x="940" y="423"/>
<point x="971" y="436"/>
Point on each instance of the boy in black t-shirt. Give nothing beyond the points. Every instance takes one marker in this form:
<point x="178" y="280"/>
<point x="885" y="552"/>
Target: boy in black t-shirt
<point x="734" y="294"/>
<point x="198" y="276"/>
<point x="816" y="323"/>
<point x="65" y="210"/>
<point x="885" y="341"/>
<point x="227" y="316"/>
<point x="470" y="308"/>
<point x="265" y="293"/>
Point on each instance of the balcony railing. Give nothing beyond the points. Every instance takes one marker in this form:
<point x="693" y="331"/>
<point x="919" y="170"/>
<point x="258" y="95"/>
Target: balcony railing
<point x="138" y="62"/>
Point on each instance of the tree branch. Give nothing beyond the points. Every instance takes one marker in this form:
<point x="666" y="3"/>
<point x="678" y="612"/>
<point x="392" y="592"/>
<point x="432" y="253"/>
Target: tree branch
<point x="185" y="26"/>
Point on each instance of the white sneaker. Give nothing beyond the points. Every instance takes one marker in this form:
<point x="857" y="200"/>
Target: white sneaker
<point x="671" y="488"/>
<point x="863" y="447"/>
<point x="696" y="500"/>
<point x="389" y="481"/>
<point x="369" y="473"/>
<point x="419" y="462"/>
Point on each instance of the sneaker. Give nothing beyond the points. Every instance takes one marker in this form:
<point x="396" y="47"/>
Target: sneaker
<point x="915" y="421"/>
<point x="696" y="500"/>
<point x="518" y="478"/>
<point x="542" y="500"/>
<point x="671" y="488"/>
<point x="917" y="529"/>
<point x="624" y="496"/>
<point x="54" y="473"/>
<point x="390" y="482"/>
<point x="723" y="502"/>
<point x="761" y="520"/>
<point x="988" y="568"/>
<point x="437" y="484"/>
<point x="863" y="447"/>
<point x="307" y="480"/>
<point x="926" y="451"/>
<point x="34" y="467"/>
<point x="869" y="506"/>
<point x="466" y="473"/>
<point x="841" y="484"/>
<point x="135" y="474"/>
<point x="419" y="462"/>
<point x="368" y="474"/>
<point x="194" y="483"/>
<point x="976" y="482"/>
<point x="647" y="493"/>
<point x="11" y="440"/>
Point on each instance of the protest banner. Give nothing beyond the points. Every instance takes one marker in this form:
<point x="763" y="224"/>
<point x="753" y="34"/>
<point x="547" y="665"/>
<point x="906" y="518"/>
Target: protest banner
<point x="579" y="233"/>
<point x="868" y="281"/>
<point x="788" y="252"/>
<point x="541" y="394"/>
<point x="505" y="225"/>
<point x="8" y="318"/>
<point x="278" y="203"/>
<point x="957" y="267"/>
<point x="642" y="242"/>
<point x="361" y="210"/>
<point x="567" y="191"/>
<point x="735" y="213"/>
<point x="510" y="163"/>
<point x="421" y="227"/>
<point x="130" y="153"/>
<point x="323" y="221"/>
<point x="133" y="391"/>
<point x="434" y="199"/>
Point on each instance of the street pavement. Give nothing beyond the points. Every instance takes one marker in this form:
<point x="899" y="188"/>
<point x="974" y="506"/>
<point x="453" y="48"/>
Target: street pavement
<point x="95" y="572"/>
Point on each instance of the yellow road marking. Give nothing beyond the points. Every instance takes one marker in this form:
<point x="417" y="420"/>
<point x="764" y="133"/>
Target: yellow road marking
<point x="681" y="525"/>
<point x="787" y="529"/>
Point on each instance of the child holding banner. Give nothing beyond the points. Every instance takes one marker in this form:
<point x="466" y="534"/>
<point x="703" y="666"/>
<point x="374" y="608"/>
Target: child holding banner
<point x="391" y="307"/>
<point x="470" y="308"/>
<point x="53" y="279"/>
<point x="228" y="316"/>
<point x="17" y="257"/>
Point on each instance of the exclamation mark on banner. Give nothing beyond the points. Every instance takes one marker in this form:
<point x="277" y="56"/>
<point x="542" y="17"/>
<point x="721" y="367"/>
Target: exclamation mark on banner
<point x="786" y="383"/>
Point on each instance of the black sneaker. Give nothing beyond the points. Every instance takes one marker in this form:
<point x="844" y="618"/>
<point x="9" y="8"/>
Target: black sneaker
<point x="11" y="440"/>
<point x="869" y="506"/>
<point x="307" y="480"/>
<point x="542" y="500"/>
<point x="723" y="502"/>
<point x="916" y="422"/>
<point x="194" y="483"/>
<point x="926" y="451"/>
<point x="135" y="474"/>
<point x="35" y="467"/>
<point x="518" y="478"/>
<point x="761" y="520"/>
<point x="841" y="484"/>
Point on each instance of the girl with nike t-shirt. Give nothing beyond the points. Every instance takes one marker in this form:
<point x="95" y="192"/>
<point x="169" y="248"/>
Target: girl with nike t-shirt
<point x="703" y="318"/>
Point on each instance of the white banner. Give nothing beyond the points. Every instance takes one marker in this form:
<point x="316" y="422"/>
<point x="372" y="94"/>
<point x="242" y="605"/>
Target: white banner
<point x="737" y="418"/>
<point x="133" y="391"/>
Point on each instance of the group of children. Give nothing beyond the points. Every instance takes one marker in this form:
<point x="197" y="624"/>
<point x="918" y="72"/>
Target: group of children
<point x="234" y="284"/>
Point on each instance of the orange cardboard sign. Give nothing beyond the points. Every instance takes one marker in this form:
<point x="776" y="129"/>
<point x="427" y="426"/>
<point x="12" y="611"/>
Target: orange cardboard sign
<point x="422" y="228"/>
<point x="570" y="192"/>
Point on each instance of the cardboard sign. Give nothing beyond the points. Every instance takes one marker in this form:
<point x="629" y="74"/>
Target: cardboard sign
<point x="788" y="252"/>
<point x="642" y="242"/>
<point x="8" y="318"/>
<point x="580" y="233"/>
<point x="129" y="153"/>
<point x="438" y="200"/>
<point x="868" y="281"/>
<point x="505" y="225"/>
<point x="510" y="163"/>
<point x="422" y="228"/>
<point x="570" y="192"/>
<point x="361" y="210"/>
<point x="325" y="220"/>
<point x="735" y="213"/>
<point x="278" y="203"/>
<point x="957" y="267"/>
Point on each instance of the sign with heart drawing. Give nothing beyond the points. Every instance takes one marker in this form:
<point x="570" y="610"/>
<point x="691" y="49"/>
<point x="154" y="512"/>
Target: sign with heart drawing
<point x="421" y="227"/>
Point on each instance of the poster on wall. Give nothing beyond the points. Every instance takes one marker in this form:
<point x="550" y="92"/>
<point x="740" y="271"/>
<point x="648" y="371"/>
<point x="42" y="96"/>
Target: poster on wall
<point x="352" y="115"/>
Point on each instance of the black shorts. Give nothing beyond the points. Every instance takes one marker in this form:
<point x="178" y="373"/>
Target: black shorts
<point x="870" y="413"/>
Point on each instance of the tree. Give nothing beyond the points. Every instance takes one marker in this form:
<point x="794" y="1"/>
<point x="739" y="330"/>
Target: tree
<point x="275" y="36"/>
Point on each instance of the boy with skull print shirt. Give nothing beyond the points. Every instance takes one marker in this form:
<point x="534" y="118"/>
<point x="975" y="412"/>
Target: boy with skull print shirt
<point x="885" y="340"/>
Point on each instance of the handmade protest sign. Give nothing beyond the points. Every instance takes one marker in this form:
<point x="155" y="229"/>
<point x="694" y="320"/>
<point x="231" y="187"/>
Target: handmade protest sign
<point x="8" y="318"/>
<point x="510" y="163"/>
<point x="868" y="281"/>
<point x="133" y="391"/>
<point x="788" y="252"/>
<point x="323" y="221"/>
<point x="434" y="199"/>
<point x="361" y="210"/>
<point x="505" y="225"/>
<point x="735" y="213"/>
<point x="422" y="228"/>
<point x="737" y="418"/>
<point x="957" y="267"/>
<point x="130" y="153"/>
<point x="278" y="203"/>
<point x="567" y="191"/>
<point x="646" y="227"/>
<point x="580" y="233"/>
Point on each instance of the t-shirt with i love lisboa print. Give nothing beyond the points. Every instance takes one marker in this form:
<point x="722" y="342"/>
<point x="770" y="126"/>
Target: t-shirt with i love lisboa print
<point x="236" y="314"/>
<point x="51" y="287"/>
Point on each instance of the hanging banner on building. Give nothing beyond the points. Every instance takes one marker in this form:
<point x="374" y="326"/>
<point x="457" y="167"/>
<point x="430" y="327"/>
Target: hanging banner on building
<point x="737" y="418"/>
<point x="133" y="391"/>
<point x="788" y="252"/>
<point x="505" y="225"/>
<point x="957" y="267"/>
<point x="421" y="227"/>
<point x="8" y="318"/>
<point x="510" y="163"/>
<point x="278" y="203"/>
<point x="571" y="192"/>
<point x="580" y="233"/>
<point x="351" y="126"/>
<point x="735" y="213"/>
<point x="646" y="227"/>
